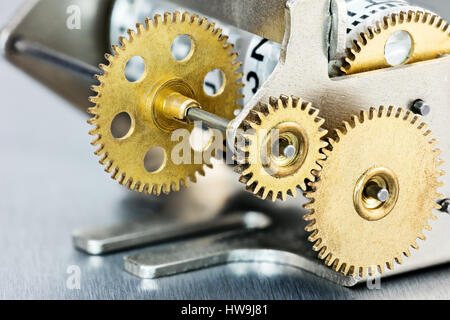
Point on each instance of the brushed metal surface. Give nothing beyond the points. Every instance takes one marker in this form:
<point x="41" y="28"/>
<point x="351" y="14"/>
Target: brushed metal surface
<point x="50" y="184"/>
<point x="46" y="24"/>
<point x="282" y="242"/>
<point x="159" y="229"/>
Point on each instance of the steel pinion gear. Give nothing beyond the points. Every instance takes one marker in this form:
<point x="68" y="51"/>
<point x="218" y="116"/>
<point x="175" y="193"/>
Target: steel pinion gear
<point x="127" y="157"/>
<point x="375" y="193"/>
<point x="282" y="144"/>
<point x="429" y="38"/>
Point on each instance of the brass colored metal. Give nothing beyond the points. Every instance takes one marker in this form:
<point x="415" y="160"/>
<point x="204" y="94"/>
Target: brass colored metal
<point x="175" y="105"/>
<point x="430" y="37"/>
<point x="354" y="232"/>
<point x="366" y="202"/>
<point x="287" y="122"/>
<point x="159" y="100"/>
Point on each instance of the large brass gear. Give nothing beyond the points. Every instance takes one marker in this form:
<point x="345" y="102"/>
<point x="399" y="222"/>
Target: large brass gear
<point x="355" y="232"/>
<point x="292" y="122"/>
<point x="430" y="37"/>
<point x="124" y="157"/>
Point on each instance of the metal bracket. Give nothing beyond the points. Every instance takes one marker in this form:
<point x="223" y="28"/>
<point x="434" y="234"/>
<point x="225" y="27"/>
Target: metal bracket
<point x="246" y="236"/>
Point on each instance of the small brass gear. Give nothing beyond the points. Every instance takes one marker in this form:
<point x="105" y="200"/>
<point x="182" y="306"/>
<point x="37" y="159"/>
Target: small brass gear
<point x="375" y="193"/>
<point x="430" y="38"/>
<point x="287" y="122"/>
<point x="124" y="157"/>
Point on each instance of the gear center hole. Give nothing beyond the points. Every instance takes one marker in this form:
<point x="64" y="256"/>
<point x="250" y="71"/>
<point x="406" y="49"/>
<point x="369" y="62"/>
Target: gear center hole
<point x="287" y="149"/>
<point x="376" y="194"/>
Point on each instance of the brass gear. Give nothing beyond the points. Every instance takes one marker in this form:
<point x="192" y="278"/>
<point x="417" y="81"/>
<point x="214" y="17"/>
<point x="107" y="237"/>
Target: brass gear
<point x="353" y="231"/>
<point x="430" y="37"/>
<point x="124" y="157"/>
<point x="269" y="173"/>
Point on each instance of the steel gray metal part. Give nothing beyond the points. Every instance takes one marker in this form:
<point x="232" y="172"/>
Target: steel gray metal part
<point x="44" y="22"/>
<point x="445" y="205"/>
<point x="305" y="56"/>
<point x="282" y="242"/>
<point x="265" y="18"/>
<point x="209" y="119"/>
<point x="38" y="51"/>
<point x="157" y="229"/>
<point x="420" y="107"/>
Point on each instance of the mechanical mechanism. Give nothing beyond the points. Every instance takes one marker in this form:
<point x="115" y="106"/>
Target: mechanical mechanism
<point x="315" y="97"/>
<point x="379" y="182"/>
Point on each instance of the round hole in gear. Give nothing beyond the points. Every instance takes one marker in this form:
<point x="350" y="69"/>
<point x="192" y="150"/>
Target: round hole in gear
<point x="182" y="48"/>
<point x="398" y="48"/>
<point x="368" y="206"/>
<point x="122" y="126"/>
<point x="200" y="138"/>
<point x="135" y="69"/>
<point x="155" y="159"/>
<point x="285" y="136"/>
<point x="214" y="83"/>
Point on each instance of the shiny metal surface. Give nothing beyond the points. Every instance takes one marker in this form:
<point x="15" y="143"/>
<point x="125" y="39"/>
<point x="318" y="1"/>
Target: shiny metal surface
<point x="160" y="229"/>
<point x="31" y="22"/>
<point x="306" y="54"/>
<point x="208" y="119"/>
<point x="59" y="187"/>
<point x="265" y="18"/>
<point x="52" y="57"/>
<point x="281" y="242"/>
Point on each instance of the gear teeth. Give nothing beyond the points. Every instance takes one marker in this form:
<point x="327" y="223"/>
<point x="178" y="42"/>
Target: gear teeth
<point x="140" y="29"/>
<point x="309" y="216"/>
<point x="95" y="131"/>
<point x="157" y="20"/>
<point x="257" y="119"/>
<point x="131" y="34"/>
<point x="104" y="159"/>
<point x="311" y="227"/>
<point x="97" y="141"/>
<point x="314" y="236"/>
<point x="93" y="120"/>
<point x="194" y="19"/>
<point x="100" y="151"/>
<point x="317" y="238"/>
<point x="119" y="53"/>
<point x="352" y="64"/>
<point x="193" y="178"/>
<point x="109" y="57"/>
<point x="167" y="17"/>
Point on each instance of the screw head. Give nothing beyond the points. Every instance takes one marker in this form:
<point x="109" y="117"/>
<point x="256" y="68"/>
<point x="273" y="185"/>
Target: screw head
<point x="420" y="107"/>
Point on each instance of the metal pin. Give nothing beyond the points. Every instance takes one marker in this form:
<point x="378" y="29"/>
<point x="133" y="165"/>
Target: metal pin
<point x="209" y="120"/>
<point x="56" y="58"/>
<point x="420" y="107"/>
<point x="445" y="205"/>
<point x="289" y="151"/>
<point x="375" y="191"/>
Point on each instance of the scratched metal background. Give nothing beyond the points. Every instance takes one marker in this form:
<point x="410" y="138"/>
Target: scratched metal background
<point x="50" y="183"/>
